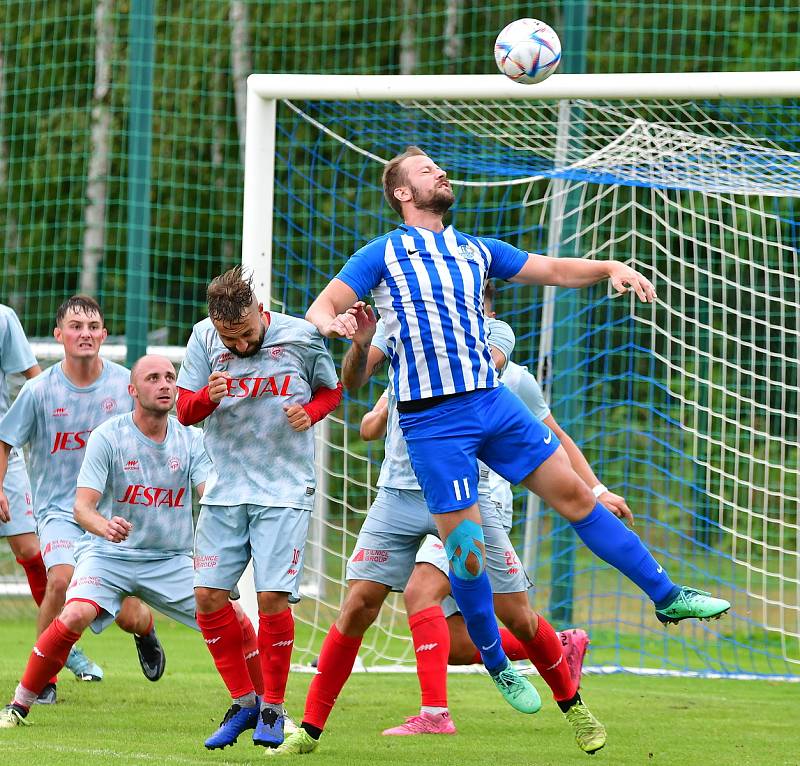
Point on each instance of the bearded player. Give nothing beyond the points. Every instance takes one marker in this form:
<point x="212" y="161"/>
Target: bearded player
<point x="260" y="380"/>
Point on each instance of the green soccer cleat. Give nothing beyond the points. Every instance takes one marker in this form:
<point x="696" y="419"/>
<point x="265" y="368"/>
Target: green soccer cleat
<point x="11" y="716"/>
<point x="517" y="690"/>
<point x="590" y="734"/>
<point x="299" y="743"/>
<point x="692" y="603"/>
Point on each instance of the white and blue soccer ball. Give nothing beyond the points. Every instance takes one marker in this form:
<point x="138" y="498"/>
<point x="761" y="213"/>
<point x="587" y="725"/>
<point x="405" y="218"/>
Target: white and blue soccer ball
<point x="527" y="51"/>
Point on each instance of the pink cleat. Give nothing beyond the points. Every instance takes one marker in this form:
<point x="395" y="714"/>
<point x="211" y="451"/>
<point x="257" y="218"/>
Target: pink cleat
<point x="424" y="723"/>
<point x="575" y="642"/>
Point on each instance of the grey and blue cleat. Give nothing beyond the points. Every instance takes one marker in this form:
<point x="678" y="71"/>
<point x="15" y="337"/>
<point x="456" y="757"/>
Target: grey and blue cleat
<point x="269" y="729"/>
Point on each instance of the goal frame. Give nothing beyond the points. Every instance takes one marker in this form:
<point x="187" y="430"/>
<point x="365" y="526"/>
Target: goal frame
<point x="562" y="90"/>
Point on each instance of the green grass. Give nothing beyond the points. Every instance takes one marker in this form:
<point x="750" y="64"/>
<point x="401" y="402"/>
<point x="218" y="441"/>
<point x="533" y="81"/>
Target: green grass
<point x="126" y="720"/>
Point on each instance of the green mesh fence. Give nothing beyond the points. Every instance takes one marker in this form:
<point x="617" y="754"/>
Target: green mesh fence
<point x="121" y="122"/>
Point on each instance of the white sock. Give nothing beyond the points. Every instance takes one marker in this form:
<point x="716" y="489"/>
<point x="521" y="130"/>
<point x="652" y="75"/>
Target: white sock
<point x="433" y="710"/>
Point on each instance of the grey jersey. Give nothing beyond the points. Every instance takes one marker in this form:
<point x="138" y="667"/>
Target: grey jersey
<point x="55" y="417"/>
<point x="16" y="355"/>
<point x="396" y="471"/>
<point x="526" y="387"/>
<point x="146" y="482"/>
<point x="257" y="457"/>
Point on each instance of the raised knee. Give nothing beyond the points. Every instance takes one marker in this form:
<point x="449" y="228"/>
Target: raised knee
<point x="465" y="551"/>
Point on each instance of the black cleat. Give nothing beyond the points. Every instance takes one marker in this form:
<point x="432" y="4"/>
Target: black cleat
<point x="47" y="696"/>
<point x="151" y="655"/>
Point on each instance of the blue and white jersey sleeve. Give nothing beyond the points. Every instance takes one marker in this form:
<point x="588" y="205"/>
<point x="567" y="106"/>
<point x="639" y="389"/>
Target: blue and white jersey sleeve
<point x="18" y="425"/>
<point x="200" y="464"/>
<point x="196" y="366"/>
<point x="364" y="269"/>
<point x="501" y="337"/>
<point x="96" y="462"/>
<point x="506" y="260"/>
<point x="379" y="339"/>
<point x="16" y="354"/>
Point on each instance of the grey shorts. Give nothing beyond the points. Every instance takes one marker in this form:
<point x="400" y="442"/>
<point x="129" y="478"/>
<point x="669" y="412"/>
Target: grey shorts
<point x="166" y="584"/>
<point x="228" y="536"/>
<point x="398" y="522"/>
<point x="17" y="488"/>
<point x="57" y="539"/>
<point x="506" y="573"/>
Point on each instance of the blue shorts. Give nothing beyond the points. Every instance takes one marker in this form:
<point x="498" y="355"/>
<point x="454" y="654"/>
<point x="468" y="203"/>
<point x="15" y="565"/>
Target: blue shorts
<point x="446" y="441"/>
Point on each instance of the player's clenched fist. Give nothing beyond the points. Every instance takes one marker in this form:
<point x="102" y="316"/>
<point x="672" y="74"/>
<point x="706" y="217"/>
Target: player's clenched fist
<point x="218" y="385"/>
<point x="298" y="418"/>
<point x="117" y="529"/>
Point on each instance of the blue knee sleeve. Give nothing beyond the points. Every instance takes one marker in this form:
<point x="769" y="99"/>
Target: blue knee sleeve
<point x="462" y="541"/>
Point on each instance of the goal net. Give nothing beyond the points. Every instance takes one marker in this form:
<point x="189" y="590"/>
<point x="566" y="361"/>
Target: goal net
<point x="687" y="407"/>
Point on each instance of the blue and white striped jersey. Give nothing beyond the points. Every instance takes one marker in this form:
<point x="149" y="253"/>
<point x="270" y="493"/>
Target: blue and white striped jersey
<point x="428" y="288"/>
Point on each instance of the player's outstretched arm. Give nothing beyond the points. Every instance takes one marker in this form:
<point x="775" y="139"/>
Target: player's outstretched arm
<point x="615" y="503"/>
<point x="329" y="312"/>
<point x="373" y="424"/>
<point x="115" y="529"/>
<point x="582" y="272"/>
<point x="361" y="362"/>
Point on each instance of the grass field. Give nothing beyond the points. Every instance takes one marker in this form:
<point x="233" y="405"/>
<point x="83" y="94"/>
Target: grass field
<point x="126" y="720"/>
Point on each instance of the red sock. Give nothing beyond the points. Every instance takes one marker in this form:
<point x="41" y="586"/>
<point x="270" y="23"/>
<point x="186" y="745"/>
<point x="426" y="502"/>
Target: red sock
<point x="223" y="636"/>
<point x="431" y="646"/>
<point x="275" y="642"/>
<point x="37" y="576"/>
<point x="335" y="664"/>
<point x="250" y="647"/>
<point x="547" y="654"/>
<point x="511" y="646"/>
<point x="48" y="656"/>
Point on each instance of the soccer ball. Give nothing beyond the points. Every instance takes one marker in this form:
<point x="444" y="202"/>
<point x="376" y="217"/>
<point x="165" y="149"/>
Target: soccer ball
<point x="527" y="51"/>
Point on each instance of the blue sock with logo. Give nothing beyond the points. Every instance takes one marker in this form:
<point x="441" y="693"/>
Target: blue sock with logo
<point x="609" y="539"/>
<point x="474" y="599"/>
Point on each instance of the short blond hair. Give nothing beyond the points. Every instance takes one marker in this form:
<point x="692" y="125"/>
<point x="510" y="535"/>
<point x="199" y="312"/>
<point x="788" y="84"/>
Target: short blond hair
<point x="395" y="176"/>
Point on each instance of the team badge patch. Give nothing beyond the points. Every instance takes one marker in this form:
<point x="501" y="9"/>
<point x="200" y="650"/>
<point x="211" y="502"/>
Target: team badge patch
<point x="465" y="251"/>
<point x="173" y="464"/>
<point x="108" y="404"/>
<point x="276" y="352"/>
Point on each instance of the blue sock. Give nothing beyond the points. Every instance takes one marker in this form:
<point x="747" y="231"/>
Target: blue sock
<point x="609" y="539"/>
<point x="474" y="599"/>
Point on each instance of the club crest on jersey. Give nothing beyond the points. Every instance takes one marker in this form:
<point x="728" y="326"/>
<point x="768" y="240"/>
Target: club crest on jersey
<point x="466" y="251"/>
<point x="173" y="464"/>
<point x="108" y="404"/>
<point x="276" y="352"/>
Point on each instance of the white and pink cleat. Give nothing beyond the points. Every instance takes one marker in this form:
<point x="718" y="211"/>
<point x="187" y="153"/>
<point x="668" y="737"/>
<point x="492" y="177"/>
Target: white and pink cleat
<point x="424" y="723"/>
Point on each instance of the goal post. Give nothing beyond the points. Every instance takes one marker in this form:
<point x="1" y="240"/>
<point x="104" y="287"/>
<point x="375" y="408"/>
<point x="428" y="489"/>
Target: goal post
<point x="688" y="407"/>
